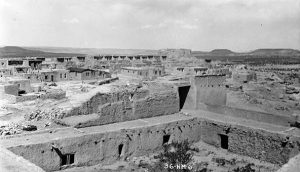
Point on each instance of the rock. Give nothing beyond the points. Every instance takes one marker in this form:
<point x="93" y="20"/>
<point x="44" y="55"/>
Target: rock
<point x="29" y="128"/>
<point x="281" y="96"/>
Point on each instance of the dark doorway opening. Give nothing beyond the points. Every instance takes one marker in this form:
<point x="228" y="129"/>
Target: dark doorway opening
<point x="52" y="78"/>
<point x="120" y="149"/>
<point x="67" y="159"/>
<point x="183" y="92"/>
<point x="166" y="139"/>
<point x="20" y="92"/>
<point x="224" y="141"/>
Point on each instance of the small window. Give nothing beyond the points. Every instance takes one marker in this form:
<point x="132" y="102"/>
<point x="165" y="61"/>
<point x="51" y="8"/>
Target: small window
<point x="67" y="159"/>
<point x="60" y="75"/>
<point x="65" y="75"/>
<point x="46" y="77"/>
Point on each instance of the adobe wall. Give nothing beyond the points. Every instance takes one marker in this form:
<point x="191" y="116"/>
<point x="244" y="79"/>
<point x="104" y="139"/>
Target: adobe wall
<point x="264" y="145"/>
<point x="206" y="89"/>
<point x="10" y="162"/>
<point x="127" y="105"/>
<point x="102" y="147"/>
<point x="24" y="84"/>
<point x="9" y="89"/>
<point x="283" y="120"/>
<point x="92" y="149"/>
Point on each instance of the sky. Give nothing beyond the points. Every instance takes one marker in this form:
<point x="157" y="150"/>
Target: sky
<point x="239" y="25"/>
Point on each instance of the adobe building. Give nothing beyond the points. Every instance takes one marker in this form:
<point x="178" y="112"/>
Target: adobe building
<point x="76" y="73"/>
<point x="189" y="71"/>
<point x="204" y="90"/>
<point x="145" y="73"/>
<point x="23" y="84"/>
<point x="54" y="75"/>
<point x="244" y="76"/>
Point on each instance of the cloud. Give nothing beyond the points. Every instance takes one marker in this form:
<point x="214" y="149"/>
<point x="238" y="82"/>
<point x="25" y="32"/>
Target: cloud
<point x="189" y="26"/>
<point x="147" y="26"/>
<point x="201" y="24"/>
<point x="71" y="21"/>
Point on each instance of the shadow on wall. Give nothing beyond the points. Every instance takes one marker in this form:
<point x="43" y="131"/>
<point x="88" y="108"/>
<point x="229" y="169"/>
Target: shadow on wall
<point x="183" y="92"/>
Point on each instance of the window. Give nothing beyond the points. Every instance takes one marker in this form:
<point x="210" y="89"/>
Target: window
<point x="46" y="77"/>
<point x="67" y="159"/>
<point x="60" y="75"/>
<point x="65" y="75"/>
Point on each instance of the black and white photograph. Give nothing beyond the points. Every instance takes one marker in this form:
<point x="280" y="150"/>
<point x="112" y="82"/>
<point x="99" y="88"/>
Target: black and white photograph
<point x="149" y="85"/>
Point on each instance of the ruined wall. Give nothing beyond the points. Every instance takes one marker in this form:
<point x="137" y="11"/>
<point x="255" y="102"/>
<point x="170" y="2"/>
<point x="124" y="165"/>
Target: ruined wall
<point x="24" y="84"/>
<point x="102" y="147"/>
<point x="127" y="105"/>
<point x="98" y="148"/>
<point x="283" y="120"/>
<point x="274" y="147"/>
<point x="9" y="89"/>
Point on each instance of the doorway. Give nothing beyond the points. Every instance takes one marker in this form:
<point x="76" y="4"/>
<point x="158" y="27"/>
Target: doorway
<point x="183" y="92"/>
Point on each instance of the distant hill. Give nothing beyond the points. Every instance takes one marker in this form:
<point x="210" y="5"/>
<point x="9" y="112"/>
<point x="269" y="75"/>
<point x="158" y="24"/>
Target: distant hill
<point x="14" y="51"/>
<point x="277" y="52"/>
<point x="258" y="52"/>
<point x="221" y="52"/>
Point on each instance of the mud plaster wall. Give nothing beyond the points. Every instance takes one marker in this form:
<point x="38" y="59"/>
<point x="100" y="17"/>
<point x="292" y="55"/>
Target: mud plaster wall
<point x="9" y="89"/>
<point x="206" y="90"/>
<point x="98" y="148"/>
<point x="92" y="149"/>
<point x="128" y="105"/>
<point x="257" y="143"/>
<point x="253" y="115"/>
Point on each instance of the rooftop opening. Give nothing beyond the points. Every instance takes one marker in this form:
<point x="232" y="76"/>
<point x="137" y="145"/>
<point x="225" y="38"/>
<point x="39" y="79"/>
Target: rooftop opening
<point x="166" y="139"/>
<point x="224" y="141"/>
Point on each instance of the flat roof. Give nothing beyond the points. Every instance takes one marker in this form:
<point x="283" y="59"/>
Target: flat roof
<point x="70" y="132"/>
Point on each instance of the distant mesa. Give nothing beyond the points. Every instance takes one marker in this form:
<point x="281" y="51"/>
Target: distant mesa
<point x="14" y="51"/>
<point x="221" y="52"/>
<point x="280" y="52"/>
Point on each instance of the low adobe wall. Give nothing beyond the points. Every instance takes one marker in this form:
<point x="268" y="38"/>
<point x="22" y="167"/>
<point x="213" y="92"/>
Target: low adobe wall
<point x="103" y="147"/>
<point x="10" y="162"/>
<point x="282" y="120"/>
<point x="96" y="145"/>
<point x="126" y="105"/>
